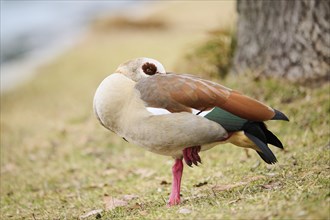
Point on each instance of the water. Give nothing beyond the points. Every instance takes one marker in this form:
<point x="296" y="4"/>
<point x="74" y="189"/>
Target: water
<point x="34" y="31"/>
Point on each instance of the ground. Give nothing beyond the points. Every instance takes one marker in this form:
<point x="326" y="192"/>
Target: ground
<point x="57" y="162"/>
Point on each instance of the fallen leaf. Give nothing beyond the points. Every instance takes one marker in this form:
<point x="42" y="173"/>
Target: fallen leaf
<point x="301" y="213"/>
<point x="272" y="185"/>
<point x="129" y="197"/>
<point x="232" y="186"/>
<point x="218" y="174"/>
<point x="93" y="152"/>
<point x="199" y="196"/>
<point x="9" y="167"/>
<point x="200" y="184"/>
<point x="90" y="213"/>
<point x="184" y="211"/>
<point x="96" y="186"/>
<point x="144" y="173"/>
<point x="135" y="206"/>
<point x="226" y="187"/>
<point x="110" y="171"/>
<point x="234" y="201"/>
<point x="255" y="166"/>
<point x="111" y="202"/>
<point x="143" y="212"/>
<point x="267" y="186"/>
<point x="164" y="182"/>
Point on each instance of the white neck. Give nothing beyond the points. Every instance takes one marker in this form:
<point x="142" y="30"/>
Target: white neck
<point x="113" y="100"/>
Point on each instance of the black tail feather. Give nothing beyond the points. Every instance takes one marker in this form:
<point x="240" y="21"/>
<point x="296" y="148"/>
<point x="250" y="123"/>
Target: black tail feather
<point x="255" y="129"/>
<point x="265" y="153"/>
<point x="271" y="138"/>
<point x="280" y="116"/>
<point x="265" y="158"/>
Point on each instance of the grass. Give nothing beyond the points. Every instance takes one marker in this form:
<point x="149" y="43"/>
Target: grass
<point x="212" y="57"/>
<point x="57" y="162"/>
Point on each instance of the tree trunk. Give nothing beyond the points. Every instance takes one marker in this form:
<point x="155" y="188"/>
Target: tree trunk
<point x="289" y="39"/>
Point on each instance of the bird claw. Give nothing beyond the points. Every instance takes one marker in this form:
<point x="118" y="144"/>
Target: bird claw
<point x="188" y="162"/>
<point x="190" y="155"/>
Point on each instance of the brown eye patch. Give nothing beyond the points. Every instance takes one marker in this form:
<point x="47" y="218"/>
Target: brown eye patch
<point x="149" y="68"/>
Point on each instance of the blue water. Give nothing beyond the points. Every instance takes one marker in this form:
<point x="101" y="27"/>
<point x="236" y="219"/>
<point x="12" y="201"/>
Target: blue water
<point x="27" y="26"/>
<point x="34" y="32"/>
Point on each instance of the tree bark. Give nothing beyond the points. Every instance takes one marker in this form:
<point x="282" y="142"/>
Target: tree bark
<point x="289" y="39"/>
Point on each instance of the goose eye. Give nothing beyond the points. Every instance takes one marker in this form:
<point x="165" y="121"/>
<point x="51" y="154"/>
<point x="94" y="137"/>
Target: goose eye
<point x="149" y="68"/>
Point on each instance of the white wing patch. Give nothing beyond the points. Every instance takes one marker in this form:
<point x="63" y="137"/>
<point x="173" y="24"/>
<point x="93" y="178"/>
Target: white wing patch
<point x="158" y="111"/>
<point x="162" y="111"/>
<point x="202" y="114"/>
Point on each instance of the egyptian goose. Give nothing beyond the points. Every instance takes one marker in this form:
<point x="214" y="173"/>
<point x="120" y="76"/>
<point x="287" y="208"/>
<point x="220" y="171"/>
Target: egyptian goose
<point x="181" y="115"/>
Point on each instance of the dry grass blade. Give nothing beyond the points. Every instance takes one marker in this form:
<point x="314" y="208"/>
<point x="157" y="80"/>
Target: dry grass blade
<point x="111" y="202"/>
<point x="232" y="186"/>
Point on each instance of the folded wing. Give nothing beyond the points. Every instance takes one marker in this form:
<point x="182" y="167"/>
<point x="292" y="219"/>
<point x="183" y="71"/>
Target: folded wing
<point x="178" y="93"/>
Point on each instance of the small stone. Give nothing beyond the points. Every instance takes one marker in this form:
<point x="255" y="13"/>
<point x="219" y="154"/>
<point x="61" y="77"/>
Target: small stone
<point x="271" y="174"/>
<point x="184" y="211"/>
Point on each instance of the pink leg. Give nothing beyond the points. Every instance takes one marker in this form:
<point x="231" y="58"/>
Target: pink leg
<point x="176" y="184"/>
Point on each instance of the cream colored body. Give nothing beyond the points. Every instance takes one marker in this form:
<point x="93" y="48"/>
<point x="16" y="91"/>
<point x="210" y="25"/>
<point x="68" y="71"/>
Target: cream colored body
<point x="119" y="108"/>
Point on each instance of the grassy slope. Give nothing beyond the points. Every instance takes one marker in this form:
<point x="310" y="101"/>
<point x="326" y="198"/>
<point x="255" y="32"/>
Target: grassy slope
<point x="58" y="162"/>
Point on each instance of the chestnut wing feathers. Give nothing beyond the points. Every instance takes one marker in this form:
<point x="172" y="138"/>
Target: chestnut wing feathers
<point x="181" y="93"/>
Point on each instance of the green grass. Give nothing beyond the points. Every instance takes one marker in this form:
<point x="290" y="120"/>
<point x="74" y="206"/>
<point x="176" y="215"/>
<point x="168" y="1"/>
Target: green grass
<point x="212" y="57"/>
<point x="57" y="162"/>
